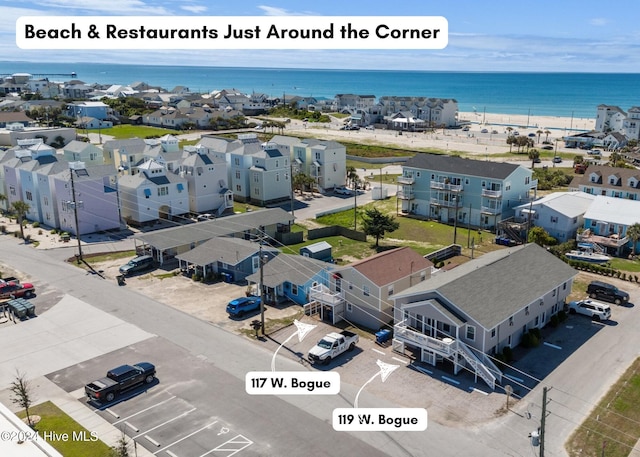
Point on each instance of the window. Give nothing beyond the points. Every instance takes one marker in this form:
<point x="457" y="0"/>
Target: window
<point x="365" y="291"/>
<point x="553" y="294"/>
<point x="526" y="310"/>
<point x="511" y="320"/>
<point x="493" y="333"/>
<point x="349" y="307"/>
<point x="12" y="190"/>
<point x="29" y="195"/>
<point x="277" y="177"/>
<point x="423" y="276"/>
<point x="237" y="174"/>
<point x="390" y="290"/>
<point x="236" y="161"/>
<point x="164" y="190"/>
<point x="446" y="328"/>
<point x="564" y="286"/>
<point x="554" y="219"/>
<point x="46" y="201"/>
<point x="526" y="180"/>
<point x="537" y="321"/>
<point x="256" y="177"/>
<point x="471" y="332"/>
<point x="294" y="289"/>
<point x="238" y="188"/>
<point x="350" y="286"/>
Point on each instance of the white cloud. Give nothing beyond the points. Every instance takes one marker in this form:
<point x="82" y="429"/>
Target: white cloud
<point x="194" y="8"/>
<point x="275" y="11"/>
<point x="599" y="21"/>
<point x="115" y="7"/>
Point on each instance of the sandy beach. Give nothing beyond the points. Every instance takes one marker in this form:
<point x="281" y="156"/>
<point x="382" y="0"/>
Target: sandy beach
<point x="533" y="122"/>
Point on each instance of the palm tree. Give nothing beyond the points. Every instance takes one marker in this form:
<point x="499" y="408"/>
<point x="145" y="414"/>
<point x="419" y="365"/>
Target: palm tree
<point x="3" y="198"/>
<point x="547" y="133"/>
<point x="352" y="176"/>
<point x="539" y="132"/>
<point x="633" y="232"/>
<point x="533" y="155"/>
<point x="21" y="209"/>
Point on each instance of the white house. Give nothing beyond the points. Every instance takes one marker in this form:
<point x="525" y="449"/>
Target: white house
<point x="79" y="151"/>
<point x="560" y="214"/>
<point x="325" y="161"/>
<point x="152" y="194"/>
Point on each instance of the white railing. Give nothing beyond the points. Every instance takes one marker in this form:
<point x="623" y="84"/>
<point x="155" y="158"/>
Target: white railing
<point x="446" y="348"/>
<point x="323" y="295"/>
<point x="449" y="203"/>
<point x="491" y="193"/>
<point x="406" y="180"/>
<point x="446" y="186"/>
<point x="405" y="195"/>
<point x="490" y="210"/>
<point x="477" y="365"/>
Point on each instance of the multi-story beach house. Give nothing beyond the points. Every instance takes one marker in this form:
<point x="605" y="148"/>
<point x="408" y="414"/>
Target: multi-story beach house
<point x="472" y="312"/>
<point x="97" y="110"/>
<point x="435" y="112"/>
<point x="153" y="193"/>
<point x="609" y="181"/>
<point x="324" y="161"/>
<point x="614" y="119"/>
<point x="269" y="175"/>
<point x="463" y="191"/>
<point x="79" y="151"/>
<point x="124" y="154"/>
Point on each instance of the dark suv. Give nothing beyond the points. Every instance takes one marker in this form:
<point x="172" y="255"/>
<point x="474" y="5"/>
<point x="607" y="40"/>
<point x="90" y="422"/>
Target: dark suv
<point x="140" y="263"/>
<point x="607" y="292"/>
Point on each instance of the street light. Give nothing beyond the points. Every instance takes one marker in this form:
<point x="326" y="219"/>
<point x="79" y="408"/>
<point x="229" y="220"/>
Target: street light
<point x="75" y="205"/>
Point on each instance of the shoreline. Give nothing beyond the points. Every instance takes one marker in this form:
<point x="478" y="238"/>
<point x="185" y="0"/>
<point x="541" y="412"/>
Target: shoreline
<point x="535" y="122"/>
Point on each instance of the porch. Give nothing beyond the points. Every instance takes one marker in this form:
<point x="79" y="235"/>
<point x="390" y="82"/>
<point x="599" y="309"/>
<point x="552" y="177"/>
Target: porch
<point x="329" y="305"/>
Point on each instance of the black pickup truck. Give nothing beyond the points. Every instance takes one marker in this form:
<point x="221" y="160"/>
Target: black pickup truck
<point x="120" y="379"/>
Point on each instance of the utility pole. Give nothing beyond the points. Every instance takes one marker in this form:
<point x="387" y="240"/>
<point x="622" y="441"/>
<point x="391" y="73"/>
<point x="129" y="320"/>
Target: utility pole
<point x="455" y="221"/>
<point x="292" y="189"/>
<point x="75" y="203"/>
<point x="469" y="228"/>
<point x="355" y="205"/>
<point x="542" y="420"/>
<point x="261" y="289"/>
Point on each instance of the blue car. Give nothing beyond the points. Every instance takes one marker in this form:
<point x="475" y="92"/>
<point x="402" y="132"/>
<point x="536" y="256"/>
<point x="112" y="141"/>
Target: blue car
<point x="239" y="306"/>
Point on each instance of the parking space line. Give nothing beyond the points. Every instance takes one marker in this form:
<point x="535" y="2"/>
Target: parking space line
<point x="144" y="410"/>
<point x="135" y="429"/>
<point x="117" y="416"/>
<point x="378" y="351"/>
<point x="152" y="441"/>
<point x="246" y="441"/>
<point x="513" y="378"/>
<point x="166" y="422"/>
<point x="400" y="360"/>
<point x="171" y="454"/>
<point x="551" y="345"/>
<point x="424" y="370"/>
<point x="446" y="378"/>
<point x="188" y="436"/>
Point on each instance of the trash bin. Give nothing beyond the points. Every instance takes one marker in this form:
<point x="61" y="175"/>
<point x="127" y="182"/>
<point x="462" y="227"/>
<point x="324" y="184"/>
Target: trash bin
<point x="383" y="336"/>
<point x="120" y="279"/>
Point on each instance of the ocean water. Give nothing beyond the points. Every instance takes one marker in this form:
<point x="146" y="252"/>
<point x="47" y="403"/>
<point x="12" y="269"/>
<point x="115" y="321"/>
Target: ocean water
<point x="537" y="94"/>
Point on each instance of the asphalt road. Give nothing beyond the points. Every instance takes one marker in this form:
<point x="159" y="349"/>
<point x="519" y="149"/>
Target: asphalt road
<point x="213" y="379"/>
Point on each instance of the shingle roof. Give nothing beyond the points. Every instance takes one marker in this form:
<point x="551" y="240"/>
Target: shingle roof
<point x="389" y="266"/>
<point x="222" y="249"/>
<point x="458" y="165"/>
<point x="224" y="226"/>
<point x="292" y="268"/>
<point x="483" y="288"/>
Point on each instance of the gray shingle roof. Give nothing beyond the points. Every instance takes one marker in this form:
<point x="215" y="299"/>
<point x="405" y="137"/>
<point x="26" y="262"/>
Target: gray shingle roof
<point x="224" y="226"/>
<point x="497" y="285"/>
<point x="223" y="249"/>
<point x="458" y="165"/>
<point x="292" y="268"/>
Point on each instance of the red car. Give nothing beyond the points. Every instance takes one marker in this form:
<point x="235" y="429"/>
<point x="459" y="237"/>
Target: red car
<point x="16" y="290"/>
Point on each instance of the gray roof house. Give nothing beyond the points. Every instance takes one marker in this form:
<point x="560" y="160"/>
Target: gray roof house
<point x="167" y="243"/>
<point x="234" y="256"/>
<point x="475" y="310"/>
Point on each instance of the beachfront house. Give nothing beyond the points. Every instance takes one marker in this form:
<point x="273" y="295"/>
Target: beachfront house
<point x="606" y="223"/>
<point x="472" y="312"/>
<point x="324" y="161"/>
<point x="609" y="181"/>
<point x="560" y="214"/>
<point x="432" y="112"/>
<point x="469" y="192"/>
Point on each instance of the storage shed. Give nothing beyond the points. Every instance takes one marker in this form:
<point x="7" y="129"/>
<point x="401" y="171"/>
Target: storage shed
<point x="319" y="251"/>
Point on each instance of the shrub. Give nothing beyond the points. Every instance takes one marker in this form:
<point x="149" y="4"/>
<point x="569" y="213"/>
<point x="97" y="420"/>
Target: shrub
<point x="624" y="276"/>
<point x="196" y="277"/>
<point x="36" y="224"/>
<point x="507" y="352"/>
<point x="53" y="231"/>
<point x="16" y="233"/>
<point x="536" y="332"/>
<point x="635" y="278"/>
<point x="25" y="222"/>
<point x="562" y="316"/>
<point x="554" y="321"/>
<point x="40" y="232"/>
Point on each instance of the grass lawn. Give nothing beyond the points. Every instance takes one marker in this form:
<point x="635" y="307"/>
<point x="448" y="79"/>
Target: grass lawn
<point x="125" y="131"/>
<point x="55" y="420"/>
<point x="614" y="421"/>
<point x="625" y="264"/>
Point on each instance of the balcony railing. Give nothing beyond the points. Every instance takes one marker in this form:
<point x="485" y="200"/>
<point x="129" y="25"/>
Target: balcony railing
<point x="491" y="193"/>
<point x="612" y="241"/>
<point x="404" y="195"/>
<point x="445" y="347"/>
<point x="406" y="180"/>
<point x="490" y="210"/>
<point x="323" y="294"/>
<point x="444" y="186"/>
<point x="447" y="203"/>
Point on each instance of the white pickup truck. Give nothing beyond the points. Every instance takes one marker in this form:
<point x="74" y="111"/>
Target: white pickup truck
<point x="332" y="345"/>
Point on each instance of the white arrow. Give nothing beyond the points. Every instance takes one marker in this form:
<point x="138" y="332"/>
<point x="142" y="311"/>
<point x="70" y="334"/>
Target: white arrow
<point x="302" y="331"/>
<point x="385" y="370"/>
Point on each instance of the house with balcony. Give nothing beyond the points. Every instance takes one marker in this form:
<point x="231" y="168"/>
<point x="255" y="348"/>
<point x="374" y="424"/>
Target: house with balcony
<point x="206" y="176"/>
<point x="465" y="191"/>
<point x="153" y="193"/>
<point x="425" y="111"/>
<point x="97" y="110"/>
<point x="325" y="161"/>
<point x="468" y="314"/>
<point x="124" y="154"/>
<point x="290" y="277"/>
<point x="79" y="151"/>
<point x="269" y="176"/>
<point x="560" y="214"/>
<point x="609" y="181"/>
<point x="363" y="291"/>
<point x="606" y="223"/>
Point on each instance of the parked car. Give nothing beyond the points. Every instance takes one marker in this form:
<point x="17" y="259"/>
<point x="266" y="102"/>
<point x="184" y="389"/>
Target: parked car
<point x="342" y="191"/>
<point x="593" y="309"/>
<point x="332" y="345"/>
<point x="557" y="159"/>
<point x="494" y="132"/>
<point x="594" y="152"/>
<point x="15" y="289"/>
<point x="607" y="292"/>
<point x="531" y="135"/>
<point x="484" y="131"/>
<point x="548" y="147"/>
<point x="205" y="217"/>
<point x="137" y="264"/>
<point x="240" y="306"/>
<point x="120" y="379"/>
<point x="537" y="160"/>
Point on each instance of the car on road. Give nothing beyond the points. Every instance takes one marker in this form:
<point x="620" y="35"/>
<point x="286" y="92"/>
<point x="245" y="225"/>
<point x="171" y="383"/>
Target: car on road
<point x="557" y="159"/>
<point x="240" y="306"/>
<point x="537" y="160"/>
<point x="531" y="135"/>
<point x="593" y="309"/>
<point x="137" y="264"/>
<point x="14" y="289"/>
<point x="607" y="292"/>
<point x="342" y="191"/>
<point x="548" y="147"/>
<point x="484" y="131"/>
<point x="205" y="217"/>
<point x="120" y="379"/>
<point x="594" y="152"/>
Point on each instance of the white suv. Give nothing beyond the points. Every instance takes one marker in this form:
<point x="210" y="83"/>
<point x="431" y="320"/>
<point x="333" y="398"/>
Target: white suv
<point x="594" y="309"/>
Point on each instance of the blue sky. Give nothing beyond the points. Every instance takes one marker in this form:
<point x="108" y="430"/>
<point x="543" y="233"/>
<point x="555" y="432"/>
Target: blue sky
<point x="561" y="35"/>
